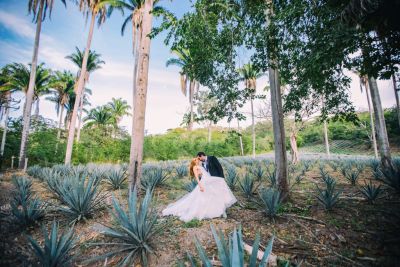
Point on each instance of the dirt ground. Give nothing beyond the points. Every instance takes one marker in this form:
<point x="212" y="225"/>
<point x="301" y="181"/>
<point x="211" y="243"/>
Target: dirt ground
<point x="355" y="233"/>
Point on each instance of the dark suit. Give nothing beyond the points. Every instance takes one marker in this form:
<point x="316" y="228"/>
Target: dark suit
<point x="214" y="167"/>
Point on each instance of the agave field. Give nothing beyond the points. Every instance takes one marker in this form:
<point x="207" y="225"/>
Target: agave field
<point x="342" y="211"/>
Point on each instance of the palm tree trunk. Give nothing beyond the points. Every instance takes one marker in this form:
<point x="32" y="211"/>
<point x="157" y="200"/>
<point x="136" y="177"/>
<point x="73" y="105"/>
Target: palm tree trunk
<point x="7" y="112"/>
<point x="326" y="139"/>
<point x="78" y="134"/>
<point x="293" y="147"/>
<point x="396" y="96"/>
<point x="139" y="108"/>
<point x="240" y="139"/>
<point x="371" y="119"/>
<point x="191" y="94"/>
<point x="79" y="88"/>
<point x="253" y="129"/>
<point x="384" y="149"/>
<point x="59" y="128"/>
<point x="29" y="93"/>
<point x="37" y="107"/>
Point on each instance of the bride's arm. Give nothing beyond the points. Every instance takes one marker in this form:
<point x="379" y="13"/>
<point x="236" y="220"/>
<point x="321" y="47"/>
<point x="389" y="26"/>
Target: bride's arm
<point x="196" y="175"/>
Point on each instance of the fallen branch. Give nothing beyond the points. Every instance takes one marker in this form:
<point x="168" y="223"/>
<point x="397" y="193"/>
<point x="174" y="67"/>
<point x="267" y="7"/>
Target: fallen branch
<point x="272" y="259"/>
<point x="304" y="218"/>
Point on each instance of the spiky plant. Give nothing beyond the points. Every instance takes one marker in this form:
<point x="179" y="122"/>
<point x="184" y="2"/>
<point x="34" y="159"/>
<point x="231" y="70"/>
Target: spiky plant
<point x="271" y="175"/>
<point x="374" y="164"/>
<point x="181" y="171"/>
<point x="153" y="178"/>
<point x="231" y="252"/>
<point x="371" y="192"/>
<point x="23" y="189"/>
<point x="132" y="232"/>
<point x="81" y="200"/>
<point x="271" y="201"/>
<point x="257" y="171"/>
<point x="298" y="178"/>
<point x="391" y="178"/>
<point x="28" y="212"/>
<point x="57" y="247"/>
<point x="328" y="197"/>
<point x="247" y="185"/>
<point x="34" y="171"/>
<point x="307" y="165"/>
<point x="352" y="176"/>
<point x="116" y="178"/>
<point x="323" y="171"/>
<point x="231" y="177"/>
<point x="190" y="186"/>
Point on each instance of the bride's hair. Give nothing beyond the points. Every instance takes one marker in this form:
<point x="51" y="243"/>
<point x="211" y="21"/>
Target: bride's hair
<point x="191" y="166"/>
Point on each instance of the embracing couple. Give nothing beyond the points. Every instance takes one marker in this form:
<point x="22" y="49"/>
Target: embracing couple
<point x="210" y="198"/>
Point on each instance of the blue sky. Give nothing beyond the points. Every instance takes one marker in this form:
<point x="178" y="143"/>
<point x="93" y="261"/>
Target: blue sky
<point x="67" y="29"/>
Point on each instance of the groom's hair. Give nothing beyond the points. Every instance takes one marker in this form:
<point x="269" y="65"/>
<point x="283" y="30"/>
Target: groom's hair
<point x="201" y="154"/>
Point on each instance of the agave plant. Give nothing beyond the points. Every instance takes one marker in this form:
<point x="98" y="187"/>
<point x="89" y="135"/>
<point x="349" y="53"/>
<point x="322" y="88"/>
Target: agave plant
<point x="231" y="253"/>
<point x="153" y="178"/>
<point x="190" y="186"/>
<point x="307" y="165"/>
<point x="322" y="171"/>
<point x="115" y="178"/>
<point x="181" y="171"/>
<point x="133" y="231"/>
<point x="247" y="185"/>
<point x="352" y="176"/>
<point x="34" y="171"/>
<point x="391" y="178"/>
<point x="23" y="189"/>
<point x="28" y="212"/>
<point x="329" y="181"/>
<point x="371" y="192"/>
<point x="271" y="175"/>
<point x="257" y="171"/>
<point x="231" y="177"/>
<point x="328" y="197"/>
<point x="271" y="201"/>
<point x="57" y="247"/>
<point x="80" y="199"/>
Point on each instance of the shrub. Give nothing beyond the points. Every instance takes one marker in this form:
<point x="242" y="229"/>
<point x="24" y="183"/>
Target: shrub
<point x="56" y="250"/>
<point x="116" y="178"/>
<point x="371" y="192"/>
<point x="23" y="189"/>
<point x="133" y="230"/>
<point x="271" y="201"/>
<point x="247" y="185"/>
<point x="153" y="178"/>
<point x="352" y="176"/>
<point x="328" y="197"/>
<point x="182" y="171"/>
<point x="28" y="212"/>
<point x="231" y="177"/>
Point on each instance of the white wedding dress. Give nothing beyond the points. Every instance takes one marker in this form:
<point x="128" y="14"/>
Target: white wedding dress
<point x="211" y="203"/>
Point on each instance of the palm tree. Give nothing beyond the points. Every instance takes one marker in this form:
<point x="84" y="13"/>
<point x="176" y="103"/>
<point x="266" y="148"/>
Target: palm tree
<point x="94" y="63"/>
<point x="139" y="98"/>
<point x="101" y="117"/>
<point x="84" y="101"/>
<point x="96" y="9"/>
<point x="249" y="75"/>
<point x="39" y="8"/>
<point x="118" y="108"/>
<point x="62" y="86"/>
<point x="184" y="61"/>
<point x="5" y="96"/>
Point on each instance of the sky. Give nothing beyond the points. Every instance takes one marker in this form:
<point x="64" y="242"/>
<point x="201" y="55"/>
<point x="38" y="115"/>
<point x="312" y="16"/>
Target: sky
<point x="68" y="28"/>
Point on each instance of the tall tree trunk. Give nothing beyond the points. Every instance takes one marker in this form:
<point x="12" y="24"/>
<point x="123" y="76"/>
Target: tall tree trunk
<point x="79" y="88"/>
<point x="326" y="139"/>
<point x="78" y="134"/>
<point x="60" y="122"/>
<point x="371" y="119"/>
<point x="191" y="95"/>
<point x="396" y="95"/>
<point x="7" y="112"/>
<point x="139" y="108"/>
<point x="240" y="139"/>
<point x="293" y="145"/>
<point x="29" y="93"/>
<point x="383" y="141"/>
<point x="37" y="107"/>
<point x="253" y="128"/>
<point x="281" y="169"/>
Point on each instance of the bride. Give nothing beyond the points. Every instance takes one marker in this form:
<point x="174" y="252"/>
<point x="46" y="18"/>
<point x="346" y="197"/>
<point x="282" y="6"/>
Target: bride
<point x="210" y="198"/>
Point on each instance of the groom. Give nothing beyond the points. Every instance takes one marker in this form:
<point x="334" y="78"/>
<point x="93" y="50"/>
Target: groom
<point x="211" y="164"/>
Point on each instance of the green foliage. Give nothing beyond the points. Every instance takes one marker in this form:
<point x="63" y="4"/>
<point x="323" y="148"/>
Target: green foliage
<point x="271" y="201"/>
<point x="154" y="177"/>
<point x="352" y="176"/>
<point x="28" y="212"/>
<point x="231" y="252"/>
<point x="371" y="192"/>
<point x="182" y="171"/>
<point x="391" y="178"/>
<point x="328" y="197"/>
<point x="23" y="190"/>
<point x="34" y="171"/>
<point x="116" y="178"/>
<point x="247" y="185"/>
<point x="57" y="247"/>
<point x="133" y="232"/>
<point x="257" y="171"/>
<point x="271" y="175"/>
<point x="231" y="177"/>
<point x="81" y="199"/>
